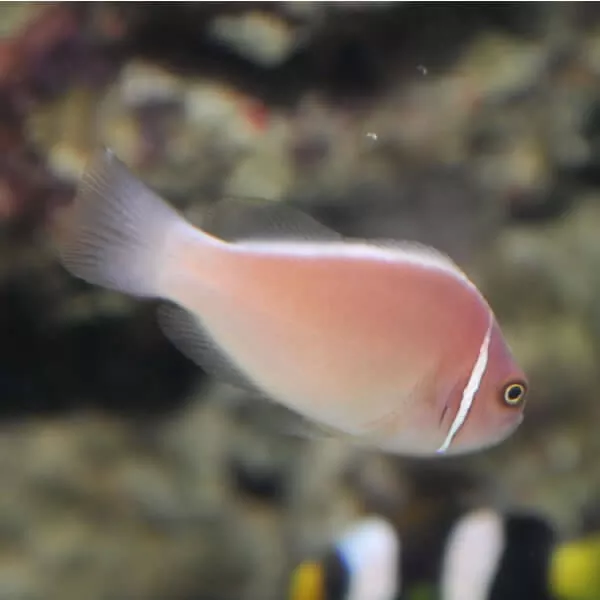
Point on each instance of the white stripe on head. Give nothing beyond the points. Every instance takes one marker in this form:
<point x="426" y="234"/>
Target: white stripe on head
<point x="470" y="390"/>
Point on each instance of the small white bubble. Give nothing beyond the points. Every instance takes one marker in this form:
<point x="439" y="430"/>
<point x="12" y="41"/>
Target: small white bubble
<point x="372" y="136"/>
<point x="422" y="69"/>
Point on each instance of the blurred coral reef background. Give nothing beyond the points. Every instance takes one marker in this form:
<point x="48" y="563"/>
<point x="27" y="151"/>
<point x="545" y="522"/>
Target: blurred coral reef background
<point x="126" y="472"/>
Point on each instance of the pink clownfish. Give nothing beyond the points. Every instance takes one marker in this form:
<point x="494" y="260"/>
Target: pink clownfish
<point x="385" y="343"/>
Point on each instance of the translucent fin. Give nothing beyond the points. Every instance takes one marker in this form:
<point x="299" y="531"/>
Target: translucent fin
<point x="234" y="219"/>
<point x="304" y="427"/>
<point x="186" y="333"/>
<point x="422" y="253"/>
<point x="296" y="425"/>
<point x="277" y="418"/>
<point x="116" y="229"/>
<point x="189" y="336"/>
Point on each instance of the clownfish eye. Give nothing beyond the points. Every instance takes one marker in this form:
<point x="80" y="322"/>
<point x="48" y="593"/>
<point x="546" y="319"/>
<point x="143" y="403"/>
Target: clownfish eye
<point x="514" y="393"/>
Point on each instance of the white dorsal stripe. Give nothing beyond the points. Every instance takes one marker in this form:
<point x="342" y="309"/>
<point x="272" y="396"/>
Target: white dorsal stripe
<point x="412" y="253"/>
<point x="470" y="390"/>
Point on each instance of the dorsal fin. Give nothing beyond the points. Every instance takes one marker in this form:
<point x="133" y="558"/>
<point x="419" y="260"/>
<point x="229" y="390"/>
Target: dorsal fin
<point x="255" y="219"/>
<point x="236" y="219"/>
<point x="420" y="253"/>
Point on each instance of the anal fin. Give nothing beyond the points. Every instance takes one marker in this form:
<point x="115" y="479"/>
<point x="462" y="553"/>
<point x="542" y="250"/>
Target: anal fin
<point x="186" y="333"/>
<point x="299" y="426"/>
<point x="275" y="418"/>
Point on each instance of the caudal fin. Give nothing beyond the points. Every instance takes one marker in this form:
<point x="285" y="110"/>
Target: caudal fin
<point x="117" y="229"/>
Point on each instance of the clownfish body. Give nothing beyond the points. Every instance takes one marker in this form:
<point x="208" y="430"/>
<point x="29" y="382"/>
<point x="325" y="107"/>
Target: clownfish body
<point x="363" y="564"/>
<point x="390" y="345"/>
<point x="478" y="555"/>
<point x="493" y="556"/>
